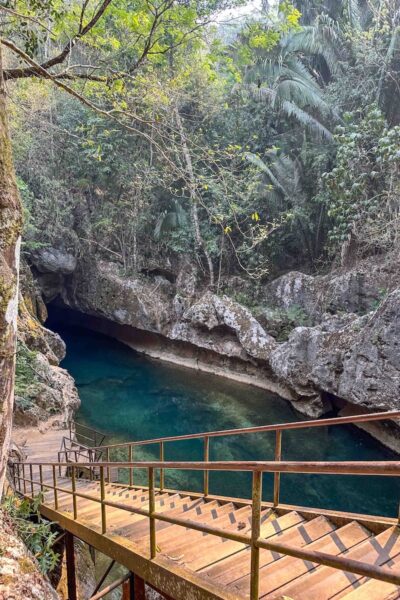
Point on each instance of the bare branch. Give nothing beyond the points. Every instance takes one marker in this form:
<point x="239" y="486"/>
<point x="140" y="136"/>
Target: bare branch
<point x="56" y="60"/>
<point x="25" y="17"/>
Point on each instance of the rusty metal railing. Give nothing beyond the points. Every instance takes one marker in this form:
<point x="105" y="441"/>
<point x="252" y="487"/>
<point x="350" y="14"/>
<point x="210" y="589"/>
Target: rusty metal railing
<point x="81" y="453"/>
<point x="254" y="539"/>
<point x="95" y="437"/>
<point x="207" y="436"/>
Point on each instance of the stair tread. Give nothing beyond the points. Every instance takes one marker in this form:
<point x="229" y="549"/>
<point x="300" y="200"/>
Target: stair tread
<point x="377" y="550"/>
<point x="299" y="535"/>
<point x="282" y="572"/>
<point x="188" y="537"/>
<point x="373" y="589"/>
<point x="270" y="527"/>
<point x="185" y="508"/>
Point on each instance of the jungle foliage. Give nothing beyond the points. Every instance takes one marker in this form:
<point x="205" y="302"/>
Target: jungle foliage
<point x="252" y="144"/>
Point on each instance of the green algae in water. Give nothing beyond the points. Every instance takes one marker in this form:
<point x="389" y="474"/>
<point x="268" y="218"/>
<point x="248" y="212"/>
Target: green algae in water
<point x="131" y="397"/>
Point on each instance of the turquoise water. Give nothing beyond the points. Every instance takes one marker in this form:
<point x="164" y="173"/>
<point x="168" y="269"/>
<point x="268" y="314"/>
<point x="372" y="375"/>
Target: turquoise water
<point x="131" y="397"/>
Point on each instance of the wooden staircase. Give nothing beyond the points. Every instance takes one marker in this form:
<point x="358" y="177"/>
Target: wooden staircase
<point x="193" y="545"/>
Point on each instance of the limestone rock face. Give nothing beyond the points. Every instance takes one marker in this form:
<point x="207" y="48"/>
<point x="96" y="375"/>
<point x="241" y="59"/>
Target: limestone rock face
<point x="20" y="575"/>
<point x="356" y="291"/>
<point x="371" y="363"/>
<point x="349" y="347"/>
<point x="54" y="260"/>
<point x="97" y="288"/>
<point x="213" y="311"/>
<point x="52" y="398"/>
<point x="48" y="394"/>
<point x="355" y="358"/>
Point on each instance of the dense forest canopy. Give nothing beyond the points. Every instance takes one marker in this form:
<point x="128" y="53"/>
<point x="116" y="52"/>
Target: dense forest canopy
<point x="252" y="144"/>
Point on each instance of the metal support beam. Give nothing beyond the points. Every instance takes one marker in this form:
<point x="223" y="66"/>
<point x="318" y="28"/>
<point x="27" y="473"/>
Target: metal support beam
<point x="70" y="560"/>
<point x="139" y="592"/>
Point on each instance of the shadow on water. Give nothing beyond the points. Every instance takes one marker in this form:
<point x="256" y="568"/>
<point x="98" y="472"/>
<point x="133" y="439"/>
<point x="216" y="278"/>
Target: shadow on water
<point x="131" y="397"/>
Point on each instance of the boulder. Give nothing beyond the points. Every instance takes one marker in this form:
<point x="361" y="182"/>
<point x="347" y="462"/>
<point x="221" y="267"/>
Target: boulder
<point x="54" y="260"/>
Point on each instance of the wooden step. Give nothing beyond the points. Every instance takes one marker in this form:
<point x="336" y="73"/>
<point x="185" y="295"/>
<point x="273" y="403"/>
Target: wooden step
<point x="377" y="551"/>
<point x="116" y="517"/>
<point x="284" y="571"/>
<point x="188" y="537"/>
<point x="220" y="548"/>
<point x="175" y="533"/>
<point x="174" y="508"/>
<point x="374" y="590"/>
<point x="291" y="532"/>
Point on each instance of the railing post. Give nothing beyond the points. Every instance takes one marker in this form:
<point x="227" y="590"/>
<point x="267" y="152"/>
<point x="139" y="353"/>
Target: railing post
<point x="278" y="456"/>
<point x="13" y="475"/>
<point x="130" y="459"/>
<point x="102" y="497"/>
<point x="70" y="559"/>
<point x="31" y="475"/>
<point x="59" y="466"/>
<point x="23" y="477"/>
<point x="255" y="534"/>
<point x="153" y="545"/>
<point x="206" y="459"/>
<point x="108" y="468"/>
<point x="19" y="477"/>
<point x="41" y="478"/>
<point x="55" y="488"/>
<point x="73" y="483"/>
<point x="161" y="470"/>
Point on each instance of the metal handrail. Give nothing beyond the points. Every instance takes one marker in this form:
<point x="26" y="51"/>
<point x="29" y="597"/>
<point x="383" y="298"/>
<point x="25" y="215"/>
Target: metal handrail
<point x="384" y="468"/>
<point x="254" y="540"/>
<point x="264" y="428"/>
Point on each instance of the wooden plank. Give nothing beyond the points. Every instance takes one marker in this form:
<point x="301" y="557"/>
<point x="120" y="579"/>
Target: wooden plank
<point x="176" y="532"/>
<point x="377" y="551"/>
<point x="372" y="590"/>
<point x="211" y="551"/>
<point x="230" y="570"/>
<point x="281" y="572"/>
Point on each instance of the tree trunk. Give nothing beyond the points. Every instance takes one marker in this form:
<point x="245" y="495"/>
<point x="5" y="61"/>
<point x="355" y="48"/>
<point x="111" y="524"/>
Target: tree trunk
<point x="10" y="240"/>
<point x="194" y="213"/>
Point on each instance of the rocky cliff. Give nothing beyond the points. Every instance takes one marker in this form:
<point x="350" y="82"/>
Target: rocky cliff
<point x="45" y="393"/>
<point x="309" y="338"/>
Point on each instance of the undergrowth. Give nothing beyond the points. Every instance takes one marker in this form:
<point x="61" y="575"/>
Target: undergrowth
<point x="33" y="530"/>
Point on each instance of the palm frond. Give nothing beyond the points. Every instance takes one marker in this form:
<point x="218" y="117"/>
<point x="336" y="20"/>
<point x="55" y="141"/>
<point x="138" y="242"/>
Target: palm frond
<point x="303" y="117"/>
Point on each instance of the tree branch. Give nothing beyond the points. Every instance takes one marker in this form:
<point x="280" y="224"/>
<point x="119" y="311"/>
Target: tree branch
<point x="20" y="73"/>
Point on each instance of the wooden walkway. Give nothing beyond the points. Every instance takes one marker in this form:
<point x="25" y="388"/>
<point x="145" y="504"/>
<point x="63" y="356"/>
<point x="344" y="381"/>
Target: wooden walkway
<point x="192" y="564"/>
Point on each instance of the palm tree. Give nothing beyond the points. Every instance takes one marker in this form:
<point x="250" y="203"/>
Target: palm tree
<point x="287" y="80"/>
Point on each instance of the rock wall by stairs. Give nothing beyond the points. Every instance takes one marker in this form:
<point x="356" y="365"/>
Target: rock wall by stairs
<point x="52" y="398"/>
